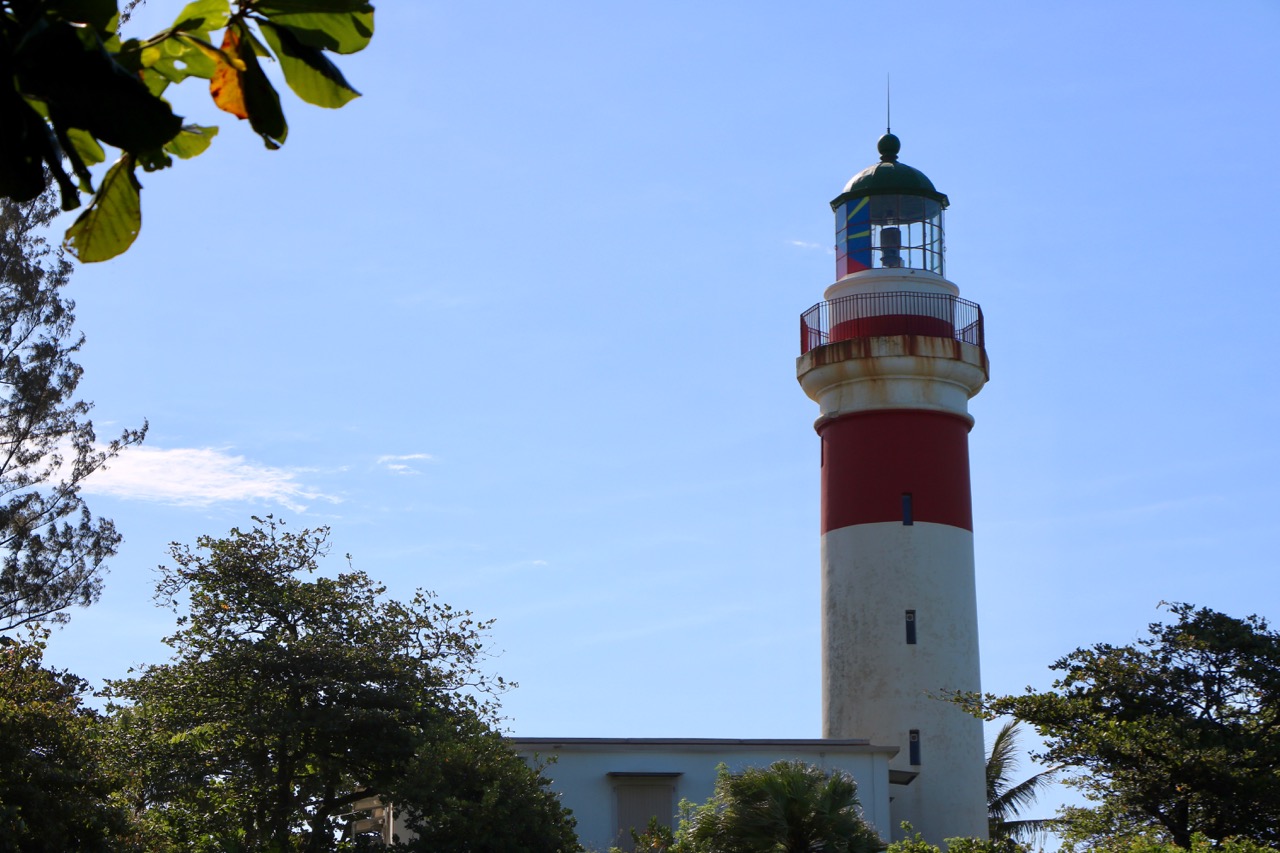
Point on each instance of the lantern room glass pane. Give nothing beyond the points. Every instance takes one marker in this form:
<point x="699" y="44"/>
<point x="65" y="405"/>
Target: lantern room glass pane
<point x="853" y="237"/>
<point x="889" y="232"/>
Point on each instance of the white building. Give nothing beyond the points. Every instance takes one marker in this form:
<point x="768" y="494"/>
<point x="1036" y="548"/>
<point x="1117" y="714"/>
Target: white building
<point x="616" y="784"/>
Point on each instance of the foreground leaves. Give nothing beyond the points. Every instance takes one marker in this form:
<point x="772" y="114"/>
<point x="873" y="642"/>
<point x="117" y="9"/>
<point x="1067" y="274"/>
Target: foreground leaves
<point x="72" y="85"/>
<point x="114" y="218"/>
<point x="306" y="69"/>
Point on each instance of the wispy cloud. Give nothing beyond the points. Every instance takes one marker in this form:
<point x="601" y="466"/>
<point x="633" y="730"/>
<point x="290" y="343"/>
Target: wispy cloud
<point x="401" y="464"/>
<point x="803" y="244"/>
<point x="200" y="476"/>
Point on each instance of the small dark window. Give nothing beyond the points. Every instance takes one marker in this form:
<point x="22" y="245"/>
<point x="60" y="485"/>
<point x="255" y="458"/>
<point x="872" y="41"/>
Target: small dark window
<point x="911" y="627"/>
<point x="915" y="747"/>
<point x="907" y="510"/>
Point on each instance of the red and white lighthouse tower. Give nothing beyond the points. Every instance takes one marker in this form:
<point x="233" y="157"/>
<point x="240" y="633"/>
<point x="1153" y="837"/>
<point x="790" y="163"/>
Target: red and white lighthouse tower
<point x="892" y="355"/>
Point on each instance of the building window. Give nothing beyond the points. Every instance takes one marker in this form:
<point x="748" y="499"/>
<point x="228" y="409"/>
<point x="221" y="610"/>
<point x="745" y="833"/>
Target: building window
<point x="908" y="511"/>
<point x="915" y="747"/>
<point x="911" y="627"/>
<point x="639" y="797"/>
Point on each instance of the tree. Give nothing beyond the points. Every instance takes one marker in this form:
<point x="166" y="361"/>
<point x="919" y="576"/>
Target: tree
<point x="1176" y="734"/>
<point x="472" y="794"/>
<point x="73" y="85"/>
<point x="53" y="549"/>
<point x="788" y="807"/>
<point x="54" y="783"/>
<point x="1005" y="798"/>
<point x="289" y="700"/>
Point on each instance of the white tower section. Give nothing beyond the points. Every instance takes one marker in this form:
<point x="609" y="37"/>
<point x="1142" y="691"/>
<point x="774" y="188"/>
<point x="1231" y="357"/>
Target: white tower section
<point x="892" y="356"/>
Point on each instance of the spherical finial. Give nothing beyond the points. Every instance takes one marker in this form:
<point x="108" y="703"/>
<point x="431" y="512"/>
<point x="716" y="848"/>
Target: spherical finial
<point x="889" y="146"/>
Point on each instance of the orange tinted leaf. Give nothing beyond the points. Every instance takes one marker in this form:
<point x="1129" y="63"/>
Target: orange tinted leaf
<point x="226" y="86"/>
<point x="239" y="86"/>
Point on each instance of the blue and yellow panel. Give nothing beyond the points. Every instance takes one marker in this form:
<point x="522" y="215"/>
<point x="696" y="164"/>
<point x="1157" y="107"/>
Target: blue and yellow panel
<point x="853" y="237"/>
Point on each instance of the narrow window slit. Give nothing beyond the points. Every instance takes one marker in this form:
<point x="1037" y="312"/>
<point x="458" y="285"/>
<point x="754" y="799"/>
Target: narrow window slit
<point x="908" y="510"/>
<point x="915" y="747"/>
<point x="911" y="627"/>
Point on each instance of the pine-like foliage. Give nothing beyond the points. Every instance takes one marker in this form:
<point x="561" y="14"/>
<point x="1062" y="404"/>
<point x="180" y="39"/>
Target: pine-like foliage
<point x="52" y="549"/>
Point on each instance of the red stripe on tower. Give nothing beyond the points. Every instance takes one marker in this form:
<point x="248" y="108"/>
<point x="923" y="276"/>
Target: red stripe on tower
<point x="871" y="460"/>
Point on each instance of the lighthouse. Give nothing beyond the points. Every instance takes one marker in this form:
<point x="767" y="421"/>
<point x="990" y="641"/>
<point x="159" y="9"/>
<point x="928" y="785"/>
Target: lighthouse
<point x="892" y="355"/>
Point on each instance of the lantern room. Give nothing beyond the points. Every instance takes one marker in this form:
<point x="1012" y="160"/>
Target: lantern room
<point x="889" y="217"/>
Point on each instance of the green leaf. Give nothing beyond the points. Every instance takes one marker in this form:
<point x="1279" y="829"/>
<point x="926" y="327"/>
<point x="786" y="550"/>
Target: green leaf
<point x="155" y="82"/>
<point x="307" y="71"/>
<point x="203" y="16"/>
<point x="154" y="160"/>
<point x="178" y="57"/>
<point x="198" y="56"/>
<point x="192" y="141"/>
<point x="86" y="146"/>
<point x="111" y="222"/>
<point x="342" y="26"/>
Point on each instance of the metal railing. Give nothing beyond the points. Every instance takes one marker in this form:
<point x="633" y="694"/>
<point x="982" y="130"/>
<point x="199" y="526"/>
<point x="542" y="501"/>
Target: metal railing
<point x="897" y="313"/>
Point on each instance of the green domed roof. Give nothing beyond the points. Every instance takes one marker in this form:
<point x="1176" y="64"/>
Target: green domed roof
<point x="889" y="177"/>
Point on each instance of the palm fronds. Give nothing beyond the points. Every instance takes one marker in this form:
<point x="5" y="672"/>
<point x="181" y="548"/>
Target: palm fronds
<point x="1007" y="799"/>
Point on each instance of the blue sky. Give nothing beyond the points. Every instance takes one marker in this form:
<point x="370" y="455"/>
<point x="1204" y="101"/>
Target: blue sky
<point x="520" y="326"/>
